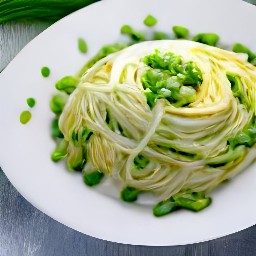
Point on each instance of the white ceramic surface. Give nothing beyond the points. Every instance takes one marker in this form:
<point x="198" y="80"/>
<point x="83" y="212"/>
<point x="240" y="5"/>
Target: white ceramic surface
<point x="25" y="149"/>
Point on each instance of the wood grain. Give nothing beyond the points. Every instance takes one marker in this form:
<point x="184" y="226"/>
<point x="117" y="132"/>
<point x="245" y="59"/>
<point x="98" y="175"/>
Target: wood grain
<point x="24" y="230"/>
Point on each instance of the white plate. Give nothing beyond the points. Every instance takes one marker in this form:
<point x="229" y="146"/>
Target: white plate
<point x="25" y="149"/>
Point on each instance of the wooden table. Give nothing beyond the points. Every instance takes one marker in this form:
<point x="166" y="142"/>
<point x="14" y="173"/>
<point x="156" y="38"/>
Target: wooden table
<point x="24" y="230"/>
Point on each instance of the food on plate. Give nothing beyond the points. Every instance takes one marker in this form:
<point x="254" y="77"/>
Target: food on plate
<point x="31" y="102"/>
<point x="175" y="118"/>
<point x="45" y="71"/>
<point x="25" y="116"/>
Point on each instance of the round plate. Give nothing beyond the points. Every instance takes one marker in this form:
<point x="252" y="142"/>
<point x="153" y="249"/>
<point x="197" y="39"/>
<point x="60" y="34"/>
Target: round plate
<point x="26" y="149"/>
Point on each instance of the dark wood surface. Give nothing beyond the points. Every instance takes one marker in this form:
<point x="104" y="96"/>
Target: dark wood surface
<point x="24" y="230"/>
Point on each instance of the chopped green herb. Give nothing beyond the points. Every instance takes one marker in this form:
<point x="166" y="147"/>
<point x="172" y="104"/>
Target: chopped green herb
<point x="45" y="71"/>
<point x="180" y="32"/>
<point x="93" y="178"/>
<point x="150" y="21"/>
<point x="25" y="116"/>
<point x="82" y="45"/>
<point x="31" y="102"/>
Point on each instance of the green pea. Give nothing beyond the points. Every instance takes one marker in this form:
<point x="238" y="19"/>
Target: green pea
<point x="82" y="45"/>
<point x="129" y="194"/>
<point x="45" y="71"/>
<point x="150" y="21"/>
<point x="31" y="102"/>
<point x="180" y="32"/>
<point x="93" y="178"/>
<point x="25" y="116"/>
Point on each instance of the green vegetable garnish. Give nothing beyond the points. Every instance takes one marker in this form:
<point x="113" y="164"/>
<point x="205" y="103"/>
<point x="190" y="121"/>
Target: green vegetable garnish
<point x="103" y="52"/>
<point x="45" y="71"/>
<point x="150" y="21"/>
<point x="158" y="35"/>
<point x="82" y="45"/>
<point x="238" y="90"/>
<point x="25" y="116"/>
<point x="93" y="178"/>
<point x="134" y="35"/>
<point x="169" y="78"/>
<point x="31" y="102"/>
<point x="60" y="151"/>
<point x="191" y="203"/>
<point x="67" y="84"/>
<point x="55" y="130"/>
<point x="207" y="38"/>
<point x="129" y="194"/>
<point x="57" y="104"/>
<point x="180" y="32"/>
<point x="165" y="207"/>
<point x="140" y="161"/>
<point x="240" y="48"/>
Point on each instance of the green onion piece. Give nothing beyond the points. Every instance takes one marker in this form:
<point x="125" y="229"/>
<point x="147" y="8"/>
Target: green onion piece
<point x="67" y="84"/>
<point x="57" y="104"/>
<point x="207" y="38"/>
<point x="129" y="194"/>
<point x="240" y="48"/>
<point x="60" y="151"/>
<point x="82" y="45"/>
<point x="165" y="207"/>
<point x="45" y="71"/>
<point x="31" y="102"/>
<point x="180" y="32"/>
<point x="93" y="178"/>
<point x="55" y="130"/>
<point x="25" y="116"/>
<point x="150" y="21"/>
